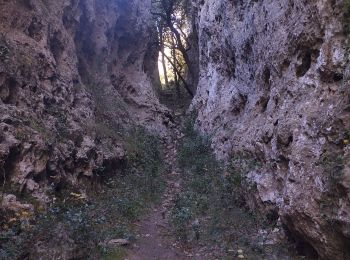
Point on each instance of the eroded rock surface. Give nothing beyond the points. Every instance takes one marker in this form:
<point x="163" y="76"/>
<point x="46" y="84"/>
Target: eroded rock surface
<point x="73" y="74"/>
<point x="274" y="83"/>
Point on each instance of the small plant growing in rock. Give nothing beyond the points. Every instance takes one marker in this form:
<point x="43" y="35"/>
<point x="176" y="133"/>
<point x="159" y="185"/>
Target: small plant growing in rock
<point x="4" y="53"/>
<point x="346" y="9"/>
<point x="332" y="163"/>
<point x="333" y="166"/>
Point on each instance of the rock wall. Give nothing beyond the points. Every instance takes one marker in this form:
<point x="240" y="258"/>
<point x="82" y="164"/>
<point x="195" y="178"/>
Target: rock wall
<point x="73" y="75"/>
<point x="274" y="84"/>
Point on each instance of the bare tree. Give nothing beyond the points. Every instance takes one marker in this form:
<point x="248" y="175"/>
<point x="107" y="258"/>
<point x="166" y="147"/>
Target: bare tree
<point x="176" y="80"/>
<point x="170" y="15"/>
<point x="161" y="45"/>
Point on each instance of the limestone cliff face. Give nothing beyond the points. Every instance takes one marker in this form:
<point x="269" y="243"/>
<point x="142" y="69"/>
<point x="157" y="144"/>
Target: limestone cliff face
<point x="274" y="83"/>
<point x="71" y="74"/>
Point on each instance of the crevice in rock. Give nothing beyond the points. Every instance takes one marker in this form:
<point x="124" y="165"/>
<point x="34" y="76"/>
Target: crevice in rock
<point x="305" y="65"/>
<point x="34" y="30"/>
<point x="9" y="164"/>
<point x="238" y="103"/>
<point x="303" y="247"/>
<point x="266" y="76"/>
<point x="331" y="76"/>
<point x="247" y="49"/>
<point x="262" y="103"/>
<point x="56" y="45"/>
<point x="9" y="90"/>
<point x="271" y="214"/>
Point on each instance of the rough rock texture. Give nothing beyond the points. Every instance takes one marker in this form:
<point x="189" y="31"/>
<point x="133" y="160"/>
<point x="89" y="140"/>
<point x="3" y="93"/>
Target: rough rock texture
<point x="72" y="75"/>
<point x="274" y="83"/>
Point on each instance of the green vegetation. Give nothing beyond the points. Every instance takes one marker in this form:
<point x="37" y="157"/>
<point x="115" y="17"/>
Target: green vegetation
<point x="210" y="209"/>
<point x="172" y="23"/>
<point x="109" y="112"/>
<point x="61" y="124"/>
<point x="146" y="164"/>
<point x="332" y="162"/>
<point x="38" y="126"/>
<point x="4" y="53"/>
<point x="333" y="166"/>
<point x="347" y="17"/>
<point x="347" y="7"/>
<point x="102" y="130"/>
<point x="333" y="159"/>
<point x="206" y="190"/>
<point x="107" y="212"/>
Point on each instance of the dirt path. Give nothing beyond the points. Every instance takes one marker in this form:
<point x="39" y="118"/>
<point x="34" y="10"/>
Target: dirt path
<point x="155" y="239"/>
<point x="243" y="235"/>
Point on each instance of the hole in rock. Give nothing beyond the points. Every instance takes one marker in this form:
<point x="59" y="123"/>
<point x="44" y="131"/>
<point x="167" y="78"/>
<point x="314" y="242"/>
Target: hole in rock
<point x="267" y="75"/>
<point x="331" y="76"/>
<point x="9" y="164"/>
<point x="38" y="178"/>
<point x="56" y="45"/>
<point x="263" y="103"/>
<point x="338" y="77"/>
<point x="303" y="247"/>
<point x="272" y="216"/>
<point x="238" y="103"/>
<point x="9" y="91"/>
<point x="305" y="65"/>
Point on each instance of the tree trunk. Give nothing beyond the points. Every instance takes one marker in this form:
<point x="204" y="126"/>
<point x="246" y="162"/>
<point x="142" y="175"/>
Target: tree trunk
<point x="187" y="87"/>
<point x="181" y="47"/>
<point x="176" y="80"/>
<point x="161" y="43"/>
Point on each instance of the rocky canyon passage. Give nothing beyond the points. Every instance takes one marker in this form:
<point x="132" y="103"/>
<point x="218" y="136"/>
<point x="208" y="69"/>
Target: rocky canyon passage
<point x="174" y="129"/>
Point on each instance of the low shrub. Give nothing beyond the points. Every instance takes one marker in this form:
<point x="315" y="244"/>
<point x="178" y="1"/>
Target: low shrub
<point x="210" y="209"/>
<point x="4" y="53"/>
<point x="107" y="214"/>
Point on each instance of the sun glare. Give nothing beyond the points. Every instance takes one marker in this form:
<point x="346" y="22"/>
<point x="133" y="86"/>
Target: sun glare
<point x="169" y="67"/>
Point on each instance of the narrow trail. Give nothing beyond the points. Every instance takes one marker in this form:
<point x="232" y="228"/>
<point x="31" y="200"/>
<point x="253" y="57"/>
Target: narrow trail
<point x="155" y="239"/>
<point x="245" y="234"/>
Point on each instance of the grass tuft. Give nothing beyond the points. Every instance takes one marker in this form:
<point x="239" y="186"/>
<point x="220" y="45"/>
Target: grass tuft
<point x="107" y="214"/>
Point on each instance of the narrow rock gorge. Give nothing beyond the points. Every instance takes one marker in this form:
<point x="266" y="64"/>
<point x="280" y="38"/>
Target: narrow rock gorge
<point x="82" y="108"/>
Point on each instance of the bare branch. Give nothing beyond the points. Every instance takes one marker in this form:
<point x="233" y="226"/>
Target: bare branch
<point x="187" y="87"/>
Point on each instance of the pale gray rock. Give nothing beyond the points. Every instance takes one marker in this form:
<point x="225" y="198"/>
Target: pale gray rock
<point x="274" y="83"/>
